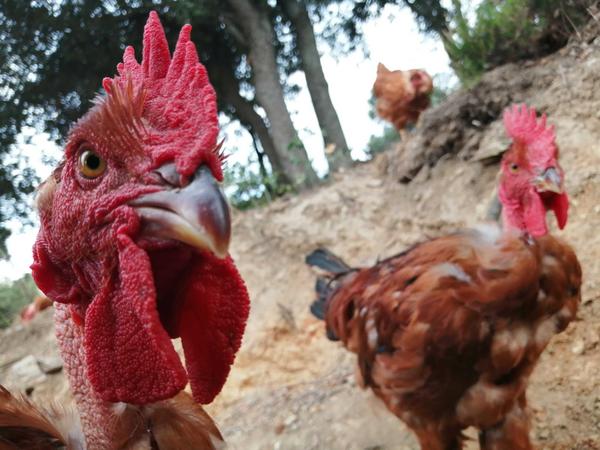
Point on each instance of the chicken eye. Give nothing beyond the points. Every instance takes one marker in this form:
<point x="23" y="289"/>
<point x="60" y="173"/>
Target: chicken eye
<point x="514" y="168"/>
<point x="91" y="165"/>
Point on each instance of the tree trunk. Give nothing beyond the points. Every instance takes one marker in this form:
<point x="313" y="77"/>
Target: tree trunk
<point x="256" y="26"/>
<point x="229" y="92"/>
<point x="251" y="120"/>
<point x="336" y="148"/>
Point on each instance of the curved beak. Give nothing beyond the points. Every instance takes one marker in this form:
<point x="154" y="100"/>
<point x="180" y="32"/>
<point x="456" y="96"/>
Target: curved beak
<point x="549" y="181"/>
<point x="197" y="214"/>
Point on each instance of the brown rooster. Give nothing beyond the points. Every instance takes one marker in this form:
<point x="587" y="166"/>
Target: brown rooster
<point x="448" y="332"/>
<point x="133" y="250"/>
<point x="401" y="96"/>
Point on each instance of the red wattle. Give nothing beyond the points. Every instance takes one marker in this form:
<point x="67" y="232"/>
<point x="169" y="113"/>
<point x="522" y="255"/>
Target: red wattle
<point x="560" y="206"/>
<point x="129" y="356"/>
<point x="211" y="324"/>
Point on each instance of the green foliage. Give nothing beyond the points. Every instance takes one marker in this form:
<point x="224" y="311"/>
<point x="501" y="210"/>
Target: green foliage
<point x="379" y="144"/>
<point x="442" y="87"/>
<point x="247" y="187"/>
<point x="14" y="296"/>
<point x="510" y="31"/>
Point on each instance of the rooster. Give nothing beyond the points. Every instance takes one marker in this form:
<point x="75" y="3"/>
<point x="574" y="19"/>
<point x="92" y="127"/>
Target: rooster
<point x="401" y="95"/>
<point x="448" y="332"/>
<point x="133" y="250"/>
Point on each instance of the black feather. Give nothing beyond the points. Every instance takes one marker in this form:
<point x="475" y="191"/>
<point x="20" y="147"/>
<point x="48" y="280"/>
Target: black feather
<point x="318" y="309"/>
<point x="324" y="259"/>
<point x="322" y="287"/>
<point x="331" y="335"/>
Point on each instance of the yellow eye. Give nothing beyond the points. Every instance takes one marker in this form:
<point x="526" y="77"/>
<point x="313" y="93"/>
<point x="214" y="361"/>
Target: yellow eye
<point x="91" y="165"/>
<point x="514" y="168"/>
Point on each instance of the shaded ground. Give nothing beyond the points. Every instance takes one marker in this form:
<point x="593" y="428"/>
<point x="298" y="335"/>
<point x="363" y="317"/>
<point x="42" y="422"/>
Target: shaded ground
<point x="290" y="387"/>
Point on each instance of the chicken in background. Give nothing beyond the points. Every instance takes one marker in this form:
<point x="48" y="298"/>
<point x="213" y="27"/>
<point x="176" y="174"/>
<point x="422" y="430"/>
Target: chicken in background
<point x="133" y="250"/>
<point x="448" y="332"/>
<point x="39" y="303"/>
<point x="401" y="95"/>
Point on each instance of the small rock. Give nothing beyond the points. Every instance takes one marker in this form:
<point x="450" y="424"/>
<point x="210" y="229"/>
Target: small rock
<point x="25" y="374"/>
<point x="50" y="364"/>
<point x="543" y="434"/>
<point x="290" y="420"/>
<point x="375" y="183"/>
<point x="578" y="347"/>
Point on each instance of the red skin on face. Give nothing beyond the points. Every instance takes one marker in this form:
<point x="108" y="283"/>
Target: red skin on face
<point x="532" y="152"/>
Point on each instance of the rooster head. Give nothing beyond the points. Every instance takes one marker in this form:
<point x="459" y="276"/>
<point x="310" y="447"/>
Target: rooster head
<point x="532" y="181"/>
<point x="416" y="81"/>
<point x="421" y="81"/>
<point x="135" y="231"/>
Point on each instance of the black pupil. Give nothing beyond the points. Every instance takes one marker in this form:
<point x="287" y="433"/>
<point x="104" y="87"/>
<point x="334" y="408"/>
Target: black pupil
<point x="92" y="161"/>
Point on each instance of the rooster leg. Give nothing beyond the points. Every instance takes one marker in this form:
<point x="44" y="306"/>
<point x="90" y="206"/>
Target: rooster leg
<point x="438" y="437"/>
<point x="510" y="434"/>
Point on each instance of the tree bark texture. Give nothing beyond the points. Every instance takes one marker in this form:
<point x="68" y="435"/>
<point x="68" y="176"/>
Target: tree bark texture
<point x="253" y="20"/>
<point x="336" y="148"/>
<point x="229" y="92"/>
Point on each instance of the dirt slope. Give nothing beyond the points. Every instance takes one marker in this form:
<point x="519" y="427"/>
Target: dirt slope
<point x="290" y="387"/>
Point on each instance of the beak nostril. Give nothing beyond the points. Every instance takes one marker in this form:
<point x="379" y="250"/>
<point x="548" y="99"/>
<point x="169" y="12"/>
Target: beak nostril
<point x="168" y="173"/>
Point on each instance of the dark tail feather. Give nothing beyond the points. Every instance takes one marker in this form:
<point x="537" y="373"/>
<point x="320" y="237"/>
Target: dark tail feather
<point x="322" y="287"/>
<point x="325" y="285"/>
<point x="318" y="308"/>
<point x="324" y="259"/>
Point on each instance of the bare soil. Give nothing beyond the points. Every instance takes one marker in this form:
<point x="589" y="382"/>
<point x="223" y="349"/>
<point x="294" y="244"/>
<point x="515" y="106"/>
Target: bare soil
<point x="290" y="387"/>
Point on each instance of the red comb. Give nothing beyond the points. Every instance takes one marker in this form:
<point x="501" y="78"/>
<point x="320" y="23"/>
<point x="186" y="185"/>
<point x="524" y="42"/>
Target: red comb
<point x="180" y="101"/>
<point x="522" y="125"/>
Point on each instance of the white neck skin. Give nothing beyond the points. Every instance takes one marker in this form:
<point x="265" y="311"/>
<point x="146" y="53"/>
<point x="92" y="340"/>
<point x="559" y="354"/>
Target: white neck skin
<point x="100" y="420"/>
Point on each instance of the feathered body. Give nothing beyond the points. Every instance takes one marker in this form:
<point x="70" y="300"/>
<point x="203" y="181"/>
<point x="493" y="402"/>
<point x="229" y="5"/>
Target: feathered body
<point x="448" y="332"/>
<point x="401" y="95"/>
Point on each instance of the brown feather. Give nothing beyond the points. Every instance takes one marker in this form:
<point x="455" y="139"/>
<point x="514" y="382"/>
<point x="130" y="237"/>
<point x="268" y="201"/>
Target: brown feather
<point x="24" y="425"/>
<point x="448" y="332"/>
<point x="175" y="424"/>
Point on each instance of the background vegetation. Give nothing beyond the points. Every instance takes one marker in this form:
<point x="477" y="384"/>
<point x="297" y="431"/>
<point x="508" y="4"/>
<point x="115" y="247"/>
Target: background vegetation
<point x="14" y="296"/>
<point x="510" y="30"/>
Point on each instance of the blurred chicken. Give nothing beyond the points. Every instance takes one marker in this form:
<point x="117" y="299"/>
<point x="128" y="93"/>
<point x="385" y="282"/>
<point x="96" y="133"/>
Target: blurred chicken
<point x="133" y="250"/>
<point x="448" y="332"/>
<point x="401" y="95"/>
<point x="39" y="303"/>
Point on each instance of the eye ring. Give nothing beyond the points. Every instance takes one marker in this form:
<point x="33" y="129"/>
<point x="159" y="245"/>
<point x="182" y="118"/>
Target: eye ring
<point x="514" y="167"/>
<point x="91" y="165"/>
